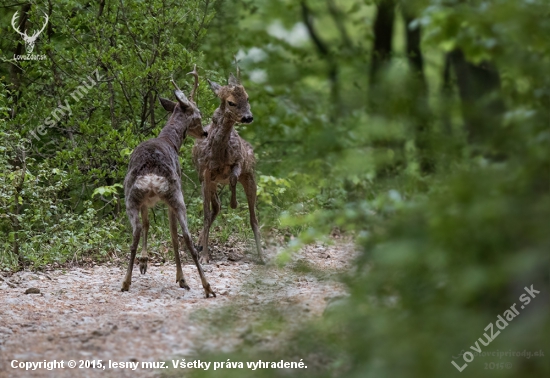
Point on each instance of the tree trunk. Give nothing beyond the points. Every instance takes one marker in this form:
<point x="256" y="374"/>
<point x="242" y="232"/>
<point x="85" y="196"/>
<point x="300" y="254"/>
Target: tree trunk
<point x="446" y="94"/>
<point x="15" y="70"/>
<point x="478" y="86"/>
<point x="20" y="168"/>
<point x="324" y="52"/>
<point x="419" y="93"/>
<point x="383" y="35"/>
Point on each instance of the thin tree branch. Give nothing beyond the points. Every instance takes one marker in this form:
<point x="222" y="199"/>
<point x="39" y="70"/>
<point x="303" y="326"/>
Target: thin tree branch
<point x="336" y="14"/>
<point x="306" y="16"/>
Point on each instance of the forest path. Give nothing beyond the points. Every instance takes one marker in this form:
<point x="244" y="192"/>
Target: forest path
<point x="81" y="314"/>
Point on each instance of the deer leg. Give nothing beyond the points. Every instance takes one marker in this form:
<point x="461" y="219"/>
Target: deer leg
<point x="233" y="178"/>
<point x="207" y="199"/>
<point x="174" y="234"/>
<point x="181" y="214"/>
<point x="250" y="188"/>
<point x="144" y="258"/>
<point x="216" y="207"/>
<point x="133" y="214"/>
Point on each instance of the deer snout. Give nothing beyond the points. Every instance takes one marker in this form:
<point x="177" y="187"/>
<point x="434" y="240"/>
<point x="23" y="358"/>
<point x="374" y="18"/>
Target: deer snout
<point x="205" y="134"/>
<point x="247" y="119"/>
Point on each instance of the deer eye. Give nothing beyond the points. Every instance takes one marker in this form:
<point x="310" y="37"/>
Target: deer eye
<point x="247" y="99"/>
<point x="231" y="103"/>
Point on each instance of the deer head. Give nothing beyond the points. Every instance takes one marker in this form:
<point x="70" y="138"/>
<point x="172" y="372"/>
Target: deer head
<point x="187" y="107"/>
<point x="234" y="99"/>
<point x="29" y="40"/>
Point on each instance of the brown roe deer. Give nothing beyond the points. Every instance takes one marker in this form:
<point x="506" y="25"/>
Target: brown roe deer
<point x="223" y="157"/>
<point x="154" y="174"/>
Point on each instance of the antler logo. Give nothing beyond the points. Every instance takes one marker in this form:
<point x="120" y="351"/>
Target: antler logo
<point x="29" y="40"/>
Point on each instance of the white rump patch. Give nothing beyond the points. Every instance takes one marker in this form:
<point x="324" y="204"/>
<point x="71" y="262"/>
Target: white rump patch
<point x="154" y="185"/>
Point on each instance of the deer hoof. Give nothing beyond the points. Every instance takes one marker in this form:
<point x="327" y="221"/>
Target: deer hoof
<point x="143" y="264"/>
<point x="208" y="291"/>
<point x="183" y="284"/>
<point x="125" y="286"/>
<point x="204" y="259"/>
<point x="234" y="204"/>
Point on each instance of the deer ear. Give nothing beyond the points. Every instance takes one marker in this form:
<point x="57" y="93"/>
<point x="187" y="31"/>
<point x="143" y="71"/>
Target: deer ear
<point x="167" y="104"/>
<point x="184" y="102"/>
<point x="215" y="87"/>
<point x="232" y="80"/>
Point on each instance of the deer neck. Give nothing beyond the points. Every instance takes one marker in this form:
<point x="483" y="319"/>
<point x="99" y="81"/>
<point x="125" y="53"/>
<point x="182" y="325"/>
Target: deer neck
<point x="223" y="126"/>
<point x="174" y="131"/>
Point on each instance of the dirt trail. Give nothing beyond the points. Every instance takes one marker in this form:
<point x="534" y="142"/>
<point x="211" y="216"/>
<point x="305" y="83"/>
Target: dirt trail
<point x="80" y="314"/>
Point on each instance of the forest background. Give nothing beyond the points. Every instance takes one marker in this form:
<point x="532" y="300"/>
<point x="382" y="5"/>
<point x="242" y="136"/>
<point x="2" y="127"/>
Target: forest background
<point x="420" y="128"/>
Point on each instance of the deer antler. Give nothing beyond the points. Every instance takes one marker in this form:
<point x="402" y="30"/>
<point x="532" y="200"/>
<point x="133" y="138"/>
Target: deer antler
<point x="175" y="85"/>
<point x="13" y="20"/>
<point x="238" y="69"/>
<point x="36" y="34"/>
<point x="196" y="85"/>
<point x="179" y="94"/>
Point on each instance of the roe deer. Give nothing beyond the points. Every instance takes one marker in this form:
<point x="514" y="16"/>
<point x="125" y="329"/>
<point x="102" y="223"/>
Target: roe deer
<point x="223" y="157"/>
<point x="154" y="174"/>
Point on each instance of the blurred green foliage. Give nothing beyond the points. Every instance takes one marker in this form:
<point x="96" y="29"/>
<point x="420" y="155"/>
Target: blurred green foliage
<point x="444" y="252"/>
<point x="441" y="170"/>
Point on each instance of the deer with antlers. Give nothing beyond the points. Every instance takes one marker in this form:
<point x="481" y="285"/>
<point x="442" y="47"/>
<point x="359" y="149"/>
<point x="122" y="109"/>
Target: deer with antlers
<point x="225" y="158"/>
<point x="29" y="40"/>
<point x="154" y="174"/>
